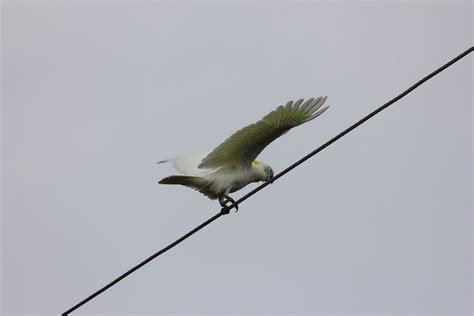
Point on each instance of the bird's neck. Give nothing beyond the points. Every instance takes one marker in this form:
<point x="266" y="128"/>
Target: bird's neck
<point x="257" y="173"/>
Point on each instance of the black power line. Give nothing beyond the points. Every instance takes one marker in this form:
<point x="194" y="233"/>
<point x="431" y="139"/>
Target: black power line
<point x="226" y="209"/>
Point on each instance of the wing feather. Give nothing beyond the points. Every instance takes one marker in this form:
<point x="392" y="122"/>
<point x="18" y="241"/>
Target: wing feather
<point x="305" y="105"/>
<point x="246" y="144"/>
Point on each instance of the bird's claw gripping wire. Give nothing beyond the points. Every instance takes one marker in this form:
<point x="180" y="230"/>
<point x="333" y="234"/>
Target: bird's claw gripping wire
<point x="228" y="204"/>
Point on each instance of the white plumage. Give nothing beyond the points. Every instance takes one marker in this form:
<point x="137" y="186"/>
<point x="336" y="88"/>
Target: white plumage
<point x="232" y="165"/>
<point x="188" y="165"/>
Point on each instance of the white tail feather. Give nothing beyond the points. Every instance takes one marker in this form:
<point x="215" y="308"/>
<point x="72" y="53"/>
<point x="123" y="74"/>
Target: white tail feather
<point x="188" y="165"/>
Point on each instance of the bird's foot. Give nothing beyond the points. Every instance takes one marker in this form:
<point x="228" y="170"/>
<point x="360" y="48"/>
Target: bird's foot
<point x="225" y="209"/>
<point x="232" y="203"/>
<point x="227" y="204"/>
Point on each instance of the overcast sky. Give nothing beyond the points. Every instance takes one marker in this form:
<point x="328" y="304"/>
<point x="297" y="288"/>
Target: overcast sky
<point x="94" y="93"/>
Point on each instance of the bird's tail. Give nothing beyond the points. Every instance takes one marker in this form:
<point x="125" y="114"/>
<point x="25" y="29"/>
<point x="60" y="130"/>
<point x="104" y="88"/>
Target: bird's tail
<point x="196" y="183"/>
<point x="182" y="180"/>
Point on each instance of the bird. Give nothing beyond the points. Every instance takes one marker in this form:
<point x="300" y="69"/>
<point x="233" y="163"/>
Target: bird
<point x="232" y="165"/>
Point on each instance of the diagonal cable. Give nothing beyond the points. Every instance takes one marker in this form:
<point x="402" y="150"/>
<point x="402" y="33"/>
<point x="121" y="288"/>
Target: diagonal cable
<point x="226" y="209"/>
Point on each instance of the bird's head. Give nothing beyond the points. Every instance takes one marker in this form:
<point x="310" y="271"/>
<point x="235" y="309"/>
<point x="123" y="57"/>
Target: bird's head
<point x="264" y="171"/>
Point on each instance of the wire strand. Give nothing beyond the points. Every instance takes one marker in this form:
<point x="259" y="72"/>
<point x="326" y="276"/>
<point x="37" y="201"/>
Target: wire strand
<point x="226" y="209"/>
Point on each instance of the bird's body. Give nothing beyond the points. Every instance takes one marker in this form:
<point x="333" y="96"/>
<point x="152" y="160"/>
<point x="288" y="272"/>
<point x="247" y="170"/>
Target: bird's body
<point x="214" y="183"/>
<point x="232" y="165"/>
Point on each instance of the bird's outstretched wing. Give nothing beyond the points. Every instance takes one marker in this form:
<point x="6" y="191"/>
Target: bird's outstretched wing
<point x="246" y="144"/>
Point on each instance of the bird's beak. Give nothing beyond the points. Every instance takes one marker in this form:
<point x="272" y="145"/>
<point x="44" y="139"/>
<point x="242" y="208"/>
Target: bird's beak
<point x="269" y="179"/>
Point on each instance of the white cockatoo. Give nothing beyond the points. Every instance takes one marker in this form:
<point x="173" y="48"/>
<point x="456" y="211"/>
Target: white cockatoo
<point x="232" y="165"/>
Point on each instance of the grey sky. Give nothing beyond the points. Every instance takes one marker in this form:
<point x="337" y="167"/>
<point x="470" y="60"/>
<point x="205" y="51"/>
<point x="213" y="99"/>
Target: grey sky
<point x="95" y="93"/>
